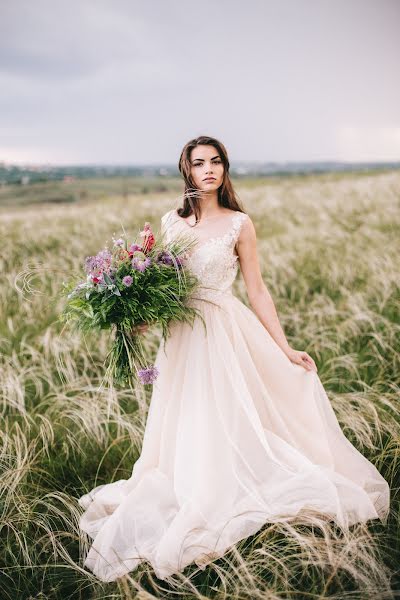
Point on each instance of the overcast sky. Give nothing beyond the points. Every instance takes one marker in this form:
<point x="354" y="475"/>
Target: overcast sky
<point x="126" y="81"/>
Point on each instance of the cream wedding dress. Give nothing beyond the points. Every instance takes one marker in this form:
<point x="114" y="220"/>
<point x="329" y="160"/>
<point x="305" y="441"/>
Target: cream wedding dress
<point x="236" y="436"/>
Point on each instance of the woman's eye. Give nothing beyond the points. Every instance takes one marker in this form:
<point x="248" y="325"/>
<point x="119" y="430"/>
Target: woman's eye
<point x="215" y="162"/>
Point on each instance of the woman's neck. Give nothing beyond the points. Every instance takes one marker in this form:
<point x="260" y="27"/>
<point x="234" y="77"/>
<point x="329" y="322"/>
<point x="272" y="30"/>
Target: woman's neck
<point x="209" y="205"/>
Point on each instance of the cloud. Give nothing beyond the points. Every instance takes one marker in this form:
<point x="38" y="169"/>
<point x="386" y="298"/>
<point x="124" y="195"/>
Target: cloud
<point x="46" y="40"/>
<point x="132" y="81"/>
<point x="356" y="143"/>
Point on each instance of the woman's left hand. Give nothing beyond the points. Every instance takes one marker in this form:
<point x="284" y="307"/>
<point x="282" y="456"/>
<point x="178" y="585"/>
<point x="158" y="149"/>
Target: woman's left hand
<point x="301" y="358"/>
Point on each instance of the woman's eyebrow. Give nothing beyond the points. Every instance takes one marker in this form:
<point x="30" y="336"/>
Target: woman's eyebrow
<point x="202" y="159"/>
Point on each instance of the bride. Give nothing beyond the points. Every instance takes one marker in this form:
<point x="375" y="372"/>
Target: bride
<point x="240" y="430"/>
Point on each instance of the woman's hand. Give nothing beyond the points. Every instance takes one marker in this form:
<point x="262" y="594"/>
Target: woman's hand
<point x="140" y="328"/>
<point x="301" y="358"/>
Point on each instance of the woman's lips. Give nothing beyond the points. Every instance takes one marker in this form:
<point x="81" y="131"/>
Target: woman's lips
<point x="210" y="179"/>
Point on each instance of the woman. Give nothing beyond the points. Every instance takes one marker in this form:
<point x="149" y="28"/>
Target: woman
<point x="240" y="430"/>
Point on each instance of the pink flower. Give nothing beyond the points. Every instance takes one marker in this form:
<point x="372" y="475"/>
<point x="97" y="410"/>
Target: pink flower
<point x="134" y="247"/>
<point x="149" y="239"/>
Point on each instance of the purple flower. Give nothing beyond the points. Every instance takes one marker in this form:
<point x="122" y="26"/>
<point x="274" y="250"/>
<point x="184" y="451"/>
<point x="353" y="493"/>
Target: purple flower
<point x="149" y="374"/>
<point x="95" y="265"/>
<point x="127" y="280"/>
<point x="135" y="247"/>
<point x="165" y="257"/>
<point x="141" y="264"/>
<point x="119" y="242"/>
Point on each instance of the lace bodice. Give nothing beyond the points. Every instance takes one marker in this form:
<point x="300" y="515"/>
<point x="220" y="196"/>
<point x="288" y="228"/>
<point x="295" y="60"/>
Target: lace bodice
<point x="213" y="259"/>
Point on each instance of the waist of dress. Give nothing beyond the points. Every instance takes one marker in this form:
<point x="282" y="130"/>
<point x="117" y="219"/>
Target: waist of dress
<point x="209" y="293"/>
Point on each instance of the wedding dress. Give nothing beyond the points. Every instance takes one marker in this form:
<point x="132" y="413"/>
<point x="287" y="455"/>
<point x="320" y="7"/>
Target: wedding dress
<point x="236" y="436"/>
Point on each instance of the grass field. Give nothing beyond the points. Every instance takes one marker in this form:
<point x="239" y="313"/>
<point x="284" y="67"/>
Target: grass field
<point x="329" y="251"/>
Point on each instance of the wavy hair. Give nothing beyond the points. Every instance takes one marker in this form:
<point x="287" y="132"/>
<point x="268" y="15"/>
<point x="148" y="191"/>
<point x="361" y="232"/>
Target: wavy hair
<point x="192" y="196"/>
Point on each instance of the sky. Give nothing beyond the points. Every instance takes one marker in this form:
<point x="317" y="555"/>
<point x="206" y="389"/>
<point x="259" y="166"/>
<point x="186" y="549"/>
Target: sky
<point x="130" y="82"/>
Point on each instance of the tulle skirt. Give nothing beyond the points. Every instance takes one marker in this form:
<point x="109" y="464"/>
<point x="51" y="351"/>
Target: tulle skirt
<point x="236" y="436"/>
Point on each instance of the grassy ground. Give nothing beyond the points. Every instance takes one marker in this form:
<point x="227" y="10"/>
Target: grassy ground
<point x="329" y="251"/>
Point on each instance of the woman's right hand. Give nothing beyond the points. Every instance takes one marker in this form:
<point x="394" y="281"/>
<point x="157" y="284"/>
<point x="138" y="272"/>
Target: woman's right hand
<point x="140" y="328"/>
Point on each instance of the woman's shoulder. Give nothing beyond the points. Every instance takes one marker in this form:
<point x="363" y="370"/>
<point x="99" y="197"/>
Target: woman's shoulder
<point x="237" y="211"/>
<point x="243" y="214"/>
<point x="240" y="217"/>
<point x="169" y="221"/>
<point x="169" y="215"/>
<point x="237" y="215"/>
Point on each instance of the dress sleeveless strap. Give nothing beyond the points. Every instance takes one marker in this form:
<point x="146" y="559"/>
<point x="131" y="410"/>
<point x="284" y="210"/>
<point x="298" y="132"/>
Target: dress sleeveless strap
<point x="238" y="219"/>
<point x="166" y="223"/>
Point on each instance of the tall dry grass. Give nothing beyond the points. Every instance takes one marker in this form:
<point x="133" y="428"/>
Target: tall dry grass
<point x="329" y="251"/>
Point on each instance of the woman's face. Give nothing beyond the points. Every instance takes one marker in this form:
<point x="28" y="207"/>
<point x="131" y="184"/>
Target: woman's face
<point x="206" y="163"/>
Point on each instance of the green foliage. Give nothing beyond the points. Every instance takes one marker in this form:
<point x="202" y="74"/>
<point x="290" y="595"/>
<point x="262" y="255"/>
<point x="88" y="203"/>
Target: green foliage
<point x="158" y="295"/>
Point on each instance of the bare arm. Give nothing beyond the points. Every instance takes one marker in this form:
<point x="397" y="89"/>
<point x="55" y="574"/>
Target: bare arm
<point x="259" y="296"/>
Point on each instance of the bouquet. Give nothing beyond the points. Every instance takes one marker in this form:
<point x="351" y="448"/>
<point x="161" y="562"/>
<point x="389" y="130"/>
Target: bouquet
<point x="145" y="282"/>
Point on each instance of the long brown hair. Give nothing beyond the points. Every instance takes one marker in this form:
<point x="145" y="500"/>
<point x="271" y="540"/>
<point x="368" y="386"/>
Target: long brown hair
<point x="191" y="196"/>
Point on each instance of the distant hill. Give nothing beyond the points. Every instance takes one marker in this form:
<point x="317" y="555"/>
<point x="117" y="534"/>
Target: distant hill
<point x="22" y="175"/>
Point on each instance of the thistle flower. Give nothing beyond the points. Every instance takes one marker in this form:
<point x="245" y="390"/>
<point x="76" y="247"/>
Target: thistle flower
<point x="148" y="375"/>
<point x="119" y="242"/>
<point x="95" y="265"/>
<point x="127" y="280"/>
<point x="165" y="257"/>
<point x="141" y="264"/>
